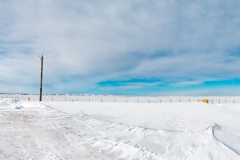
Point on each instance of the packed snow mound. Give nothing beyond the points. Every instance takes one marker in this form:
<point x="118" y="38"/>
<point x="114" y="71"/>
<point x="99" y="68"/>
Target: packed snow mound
<point x="33" y="105"/>
<point x="14" y="103"/>
<point x="7" y="101"/>
<point x="29" y="105"/>
<point x="10" y="103"/>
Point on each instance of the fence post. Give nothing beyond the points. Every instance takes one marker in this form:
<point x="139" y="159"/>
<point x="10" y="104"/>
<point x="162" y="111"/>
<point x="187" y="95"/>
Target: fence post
<point x="149" y="100"/>
<point x="52" y="98"/>
<point x="233" y="101"/>
<point x="65" y="99"/>
<point x="212" y="101"/>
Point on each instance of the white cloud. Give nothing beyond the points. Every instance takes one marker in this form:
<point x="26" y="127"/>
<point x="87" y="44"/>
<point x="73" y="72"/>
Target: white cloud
<point x="229" y="91"/>
<point x="90" y="41"/>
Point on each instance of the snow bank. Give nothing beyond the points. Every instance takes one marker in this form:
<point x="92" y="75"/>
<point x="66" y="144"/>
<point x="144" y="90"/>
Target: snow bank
<point x="7" y="101"/>
<point x="14" y="103"/>
<point x="33" y="105"/>
<point x="28" y="105"/>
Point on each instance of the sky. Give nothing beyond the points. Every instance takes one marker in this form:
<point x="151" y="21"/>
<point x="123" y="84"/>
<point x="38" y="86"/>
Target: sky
<point x="122" y="47"/>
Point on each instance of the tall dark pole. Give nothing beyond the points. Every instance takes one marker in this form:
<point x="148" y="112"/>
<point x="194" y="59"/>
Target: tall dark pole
<point x="40" y="98"/>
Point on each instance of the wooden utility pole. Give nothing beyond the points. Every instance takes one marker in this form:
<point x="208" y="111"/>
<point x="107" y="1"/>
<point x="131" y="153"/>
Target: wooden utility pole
<point x="40" y="98"/>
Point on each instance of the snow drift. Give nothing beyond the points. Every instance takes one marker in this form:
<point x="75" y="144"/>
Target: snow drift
<point x="83" y="130"/>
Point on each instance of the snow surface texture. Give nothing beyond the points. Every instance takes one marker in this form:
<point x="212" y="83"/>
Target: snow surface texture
<point x="83" y="130"/>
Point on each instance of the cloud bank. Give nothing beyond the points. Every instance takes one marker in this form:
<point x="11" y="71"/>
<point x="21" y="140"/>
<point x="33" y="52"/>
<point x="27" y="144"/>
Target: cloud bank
<point x="88" y="42"/>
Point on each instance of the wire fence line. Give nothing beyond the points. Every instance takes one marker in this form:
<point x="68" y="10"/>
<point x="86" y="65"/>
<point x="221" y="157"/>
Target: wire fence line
<point x="124" y="99"/>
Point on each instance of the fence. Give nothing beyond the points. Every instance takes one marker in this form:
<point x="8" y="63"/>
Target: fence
<point x="124" y="99"/>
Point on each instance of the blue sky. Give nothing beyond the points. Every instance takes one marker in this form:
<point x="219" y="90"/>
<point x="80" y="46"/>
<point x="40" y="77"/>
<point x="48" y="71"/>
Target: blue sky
<point x="154" y="47"/>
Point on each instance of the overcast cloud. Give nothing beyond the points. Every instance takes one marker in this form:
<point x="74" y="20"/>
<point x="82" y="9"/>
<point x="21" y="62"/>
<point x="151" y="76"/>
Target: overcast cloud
<point x="88" y="41"/>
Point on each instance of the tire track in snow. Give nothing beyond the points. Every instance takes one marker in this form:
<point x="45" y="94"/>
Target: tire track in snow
<point x="32" y="134"/>
<point x="102" y="136"/>
<point x="45" y="133"/>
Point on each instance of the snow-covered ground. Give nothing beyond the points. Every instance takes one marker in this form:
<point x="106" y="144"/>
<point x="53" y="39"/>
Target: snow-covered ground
<point x="107" y="130"/>
<point x="126" y="99"/>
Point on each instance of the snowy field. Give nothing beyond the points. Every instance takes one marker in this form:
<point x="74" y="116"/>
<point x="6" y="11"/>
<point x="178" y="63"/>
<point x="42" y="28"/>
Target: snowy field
<point x="125" y="99"/>
<point x="73" y="130"/>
